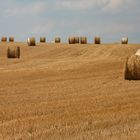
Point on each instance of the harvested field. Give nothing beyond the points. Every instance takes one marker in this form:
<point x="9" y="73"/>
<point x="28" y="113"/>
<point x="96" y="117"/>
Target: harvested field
<point x="73" y="92"/>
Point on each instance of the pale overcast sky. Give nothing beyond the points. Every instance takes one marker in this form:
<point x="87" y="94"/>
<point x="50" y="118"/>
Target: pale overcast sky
<point x="110" y="19"/>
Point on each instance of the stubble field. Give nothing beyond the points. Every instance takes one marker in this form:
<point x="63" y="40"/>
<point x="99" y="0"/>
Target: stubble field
<point x="68" y="92"/>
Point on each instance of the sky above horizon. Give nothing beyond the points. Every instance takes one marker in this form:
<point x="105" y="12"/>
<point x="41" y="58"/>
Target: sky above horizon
<point x="109" y="19"/>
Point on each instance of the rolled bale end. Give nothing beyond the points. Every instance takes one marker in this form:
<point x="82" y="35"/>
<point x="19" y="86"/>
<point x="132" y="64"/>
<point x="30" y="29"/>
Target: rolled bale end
<point x="4" y="39"/>
<point x="138" y="52"/>
<point x="71" y="40"/>
<point x="57" y="40"/>
<point x="13" y="52"/>
<point x="83" y="40"/>
<point x="97" y="40"/>
<point x="132" y="68"/>
<point x="77" y="40"/>
<point x="31" y="41"/>
<point x="11" y="39"/>
<point x="42" y="39"/>
<point x="124" y="40"/>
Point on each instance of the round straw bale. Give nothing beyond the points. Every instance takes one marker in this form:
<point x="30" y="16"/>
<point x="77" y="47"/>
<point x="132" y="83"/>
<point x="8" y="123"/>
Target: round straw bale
<point x="138" y="52"/>
<point x="132" y="68"/>
<point x="83" y="40"/>
<point x="124" y="40"/>
<point x="4" y="39"/>
<point x="31" y="41"/>
<point x="11" y="39"/>
<point x="57" y="40"/>
<point x="71" y="40"/>
<point x="13" y="52"/>
<point x="77" y="40"/>
<point x="97" y="40"/>
<point x="42" y="39"/>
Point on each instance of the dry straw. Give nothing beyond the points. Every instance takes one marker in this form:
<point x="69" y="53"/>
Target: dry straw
<point x="97" y="40"/>
<point x="11" y="39"/>
<point x="4" y="39"/>
<point x="124" y="40"/>
<point x="13" y="52"/>
<point x="83" y="40"/>
<point x="57" y="40"/>
<point x="42" y="39"/>
<point x="31" y="41"/>
<point x="71" y="40"/>
<point x="132" y="68"/>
